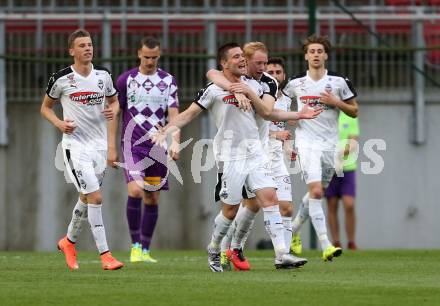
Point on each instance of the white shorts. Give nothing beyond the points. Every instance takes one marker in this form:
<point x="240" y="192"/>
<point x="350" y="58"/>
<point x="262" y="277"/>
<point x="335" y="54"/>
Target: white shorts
<point x="278" y="164"/>
<point x="254" y="173"/>
<point x="284" y="188"/>
<point x="316" y="165"/>
<point x="86" y="168"/>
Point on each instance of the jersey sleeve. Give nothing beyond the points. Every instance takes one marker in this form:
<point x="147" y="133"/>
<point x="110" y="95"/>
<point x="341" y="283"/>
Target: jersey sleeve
<point x="289" y="90"/>
<point x="289" y="103"/>
<point x="121" y="87"/>
<point x="53" y="89"/>
<point x="173" y="99"/>
<point x="272" y="88"/>
<point x="347" y="91"/>
<point x="110" y="90"/>
<point x="204" y="97"/>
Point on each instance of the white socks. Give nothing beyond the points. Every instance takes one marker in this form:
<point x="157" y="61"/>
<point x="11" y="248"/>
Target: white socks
<point x="97" y="226"/>
<point x="221" y="226"/>
<point x="243" y="223"/>
<point x="287" y="224"/>
<point x="274" y="227"/>
<point x="318" y="221"/>
<point x="78" y="215"/>
<point x="226" y="241"/>
<point x="302" y="215"/>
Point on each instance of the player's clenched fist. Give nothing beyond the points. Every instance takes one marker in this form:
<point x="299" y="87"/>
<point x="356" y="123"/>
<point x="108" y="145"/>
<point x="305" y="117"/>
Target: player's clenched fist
<point x="67" y="126"/>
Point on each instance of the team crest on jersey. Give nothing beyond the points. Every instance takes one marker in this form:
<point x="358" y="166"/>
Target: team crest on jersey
<point x="162" y="85"/>
<point x="328" y="88"/>
<point x="148" y="85"/>
<point x="88" y="98"/>
<point x="72" y="82"/>
<point x="100" y="84"/>
<point x="230" y="99"/>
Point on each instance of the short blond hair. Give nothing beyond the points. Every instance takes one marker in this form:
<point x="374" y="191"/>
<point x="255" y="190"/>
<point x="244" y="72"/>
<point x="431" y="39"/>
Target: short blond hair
<point x="251" y="47"/>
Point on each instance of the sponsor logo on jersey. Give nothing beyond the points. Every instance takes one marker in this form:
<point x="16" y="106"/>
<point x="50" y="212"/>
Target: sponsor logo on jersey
<point x="133" y="84"/>
<point x="87" y="97"/>
<point x="313" y="101"/>
<point x="54" y="88"/>
<point x="230" y="99"/>
<point x="280" y="125"/>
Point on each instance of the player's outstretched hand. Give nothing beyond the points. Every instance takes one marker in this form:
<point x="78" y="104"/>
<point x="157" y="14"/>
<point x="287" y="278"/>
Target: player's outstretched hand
<point x="108" y="112"/>
<point x="67" y="126"/>
<point x="174" y="150"/>
<point x="112" y="157"/>
<point x="159" y="138"/>
<point x="243" y="102"/>
<point x="309" y="113"/>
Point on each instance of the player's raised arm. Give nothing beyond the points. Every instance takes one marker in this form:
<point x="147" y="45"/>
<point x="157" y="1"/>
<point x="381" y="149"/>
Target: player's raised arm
<point x="262" y="107"/>
<point x="173" y="112"/>
<point x="177" y="123"/>
<point x="218" y="78"/>
<point x="349" y="107"/>
<point x="305" y="113"/>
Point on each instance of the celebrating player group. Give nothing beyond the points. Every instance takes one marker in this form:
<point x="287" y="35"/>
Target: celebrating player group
<point x="250" y="102"/>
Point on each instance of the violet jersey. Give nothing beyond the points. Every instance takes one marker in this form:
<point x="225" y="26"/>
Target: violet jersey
<point x="144" y="100"/>
<point x="237" y="132"/>
<point x="83" y="100"/>
<point x="270" y="87"/>
<point x="321" y="132"/>
<point x="282" y="103"/>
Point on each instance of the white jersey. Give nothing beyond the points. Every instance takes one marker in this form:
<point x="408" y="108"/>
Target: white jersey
<point x="237" y="135"/>
<point x="321" y="132"/>
<point x="282" y="103"/>
<point x="83" y="99"/>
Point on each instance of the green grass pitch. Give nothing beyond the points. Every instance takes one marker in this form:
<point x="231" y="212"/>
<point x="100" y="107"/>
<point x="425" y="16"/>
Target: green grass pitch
<point x="397" y="277"/>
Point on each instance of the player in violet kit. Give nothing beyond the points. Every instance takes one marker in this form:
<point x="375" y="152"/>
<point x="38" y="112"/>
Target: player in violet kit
<point x="147" y="96"/>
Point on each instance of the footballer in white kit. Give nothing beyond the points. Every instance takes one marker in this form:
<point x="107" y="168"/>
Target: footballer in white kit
<point x="256" y="55"/>
<point x="89" y="103"/>
<point x="83" y="100"/>
<point x="238" y="148"/>
<point x="238" y="151"/>
<point x="316" y="139"/>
